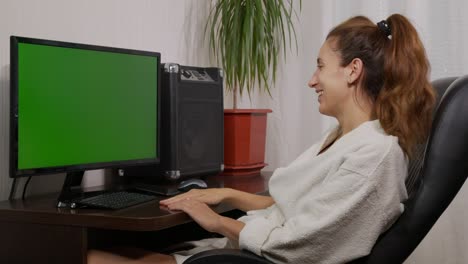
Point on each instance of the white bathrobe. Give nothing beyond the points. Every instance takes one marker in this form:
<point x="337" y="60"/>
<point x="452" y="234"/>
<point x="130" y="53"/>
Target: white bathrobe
<point x="331" y="207"/>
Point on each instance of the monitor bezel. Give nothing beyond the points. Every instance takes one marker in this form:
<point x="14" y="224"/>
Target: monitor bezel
<point x="14" y="89"/>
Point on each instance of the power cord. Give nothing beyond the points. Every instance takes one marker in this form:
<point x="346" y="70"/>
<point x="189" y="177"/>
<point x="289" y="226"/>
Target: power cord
<point x="12" y="189"/>
<point x="25" y="187"/>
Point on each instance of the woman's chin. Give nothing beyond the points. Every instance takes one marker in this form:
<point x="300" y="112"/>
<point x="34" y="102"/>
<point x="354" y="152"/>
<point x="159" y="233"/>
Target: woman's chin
<point x="324" y="111"/>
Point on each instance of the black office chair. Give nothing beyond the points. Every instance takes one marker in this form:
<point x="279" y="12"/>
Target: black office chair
<point x="436" y="174"/>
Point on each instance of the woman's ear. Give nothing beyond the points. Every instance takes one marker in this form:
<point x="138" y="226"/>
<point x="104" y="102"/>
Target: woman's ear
<point x="354" y="70"/>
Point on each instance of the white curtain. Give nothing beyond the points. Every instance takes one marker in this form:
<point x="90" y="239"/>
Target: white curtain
<point x="295" y="122"/>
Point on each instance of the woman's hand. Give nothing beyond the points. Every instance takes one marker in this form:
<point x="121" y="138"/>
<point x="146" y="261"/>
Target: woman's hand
<point x="211" y="196"/>
<point x="208" y="219"/>
<point x="199" y="211"/>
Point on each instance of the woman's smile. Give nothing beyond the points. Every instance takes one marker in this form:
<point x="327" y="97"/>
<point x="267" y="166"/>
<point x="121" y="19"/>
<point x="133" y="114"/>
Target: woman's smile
<point x="320" y="93"/>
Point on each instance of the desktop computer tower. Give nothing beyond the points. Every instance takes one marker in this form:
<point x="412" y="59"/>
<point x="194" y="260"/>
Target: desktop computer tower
<point x="192" y="124"/>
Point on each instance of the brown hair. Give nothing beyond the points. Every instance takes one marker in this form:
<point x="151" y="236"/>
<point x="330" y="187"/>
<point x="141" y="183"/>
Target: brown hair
<point x="395" y="75"/>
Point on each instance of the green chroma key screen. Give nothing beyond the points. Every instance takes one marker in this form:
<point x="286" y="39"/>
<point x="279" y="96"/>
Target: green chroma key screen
<point x="79" y="106"/>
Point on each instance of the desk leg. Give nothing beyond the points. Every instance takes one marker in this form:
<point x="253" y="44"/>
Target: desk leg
<point x="38" y="243"/>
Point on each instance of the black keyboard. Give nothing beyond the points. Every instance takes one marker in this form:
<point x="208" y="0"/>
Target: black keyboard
<point x="113" y="200"/>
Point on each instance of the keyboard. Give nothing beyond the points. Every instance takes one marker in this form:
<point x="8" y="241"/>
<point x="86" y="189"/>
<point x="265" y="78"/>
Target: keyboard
<point x="113" y="200"/>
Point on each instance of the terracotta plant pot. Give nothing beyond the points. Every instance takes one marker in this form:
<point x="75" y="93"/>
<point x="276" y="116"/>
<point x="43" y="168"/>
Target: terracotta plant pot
<point x="244" y="141"/>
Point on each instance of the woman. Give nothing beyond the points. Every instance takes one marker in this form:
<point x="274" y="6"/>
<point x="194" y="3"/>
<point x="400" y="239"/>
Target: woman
<point x="347" y="189"/>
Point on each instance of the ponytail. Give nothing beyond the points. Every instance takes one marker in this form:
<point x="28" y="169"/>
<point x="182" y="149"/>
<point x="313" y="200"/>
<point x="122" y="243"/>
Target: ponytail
<point x="395" y="75"/>
<point x="406" y="101"/>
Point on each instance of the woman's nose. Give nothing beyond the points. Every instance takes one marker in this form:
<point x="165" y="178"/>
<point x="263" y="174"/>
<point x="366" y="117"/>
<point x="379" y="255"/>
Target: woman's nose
<point x="313" y="82"/>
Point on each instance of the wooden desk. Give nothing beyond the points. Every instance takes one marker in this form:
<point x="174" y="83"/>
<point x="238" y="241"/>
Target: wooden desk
<point x="35" y="231"/>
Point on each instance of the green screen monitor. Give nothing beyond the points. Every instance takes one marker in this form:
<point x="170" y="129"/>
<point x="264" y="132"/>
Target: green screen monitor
<point x="77" y="107"/>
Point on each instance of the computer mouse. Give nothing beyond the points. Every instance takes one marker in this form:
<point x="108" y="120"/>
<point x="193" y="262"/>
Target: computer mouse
<point x="190" y="184"/>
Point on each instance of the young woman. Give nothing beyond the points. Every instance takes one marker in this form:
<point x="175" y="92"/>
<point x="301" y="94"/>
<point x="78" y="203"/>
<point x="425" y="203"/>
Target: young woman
<point x="331" y="204"/>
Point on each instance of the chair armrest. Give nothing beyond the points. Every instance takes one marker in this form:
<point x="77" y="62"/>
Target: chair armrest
<point x="226" y="256"/>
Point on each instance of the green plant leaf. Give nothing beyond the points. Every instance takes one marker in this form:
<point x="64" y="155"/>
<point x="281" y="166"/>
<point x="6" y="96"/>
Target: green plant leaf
<point x="246" y="37"/>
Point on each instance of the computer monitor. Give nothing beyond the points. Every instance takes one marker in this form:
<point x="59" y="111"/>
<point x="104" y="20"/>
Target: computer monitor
<point x="77" y="107"/>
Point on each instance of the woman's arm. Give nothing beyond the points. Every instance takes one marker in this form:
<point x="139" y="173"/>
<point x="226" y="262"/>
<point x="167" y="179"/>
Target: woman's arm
<point x="237" y="199"/>
<point x="230" y="228"/>
<point x="246" y="201"/>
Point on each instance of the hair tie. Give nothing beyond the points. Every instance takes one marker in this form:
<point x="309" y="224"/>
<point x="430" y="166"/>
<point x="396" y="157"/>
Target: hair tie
<point x="385" y="28"/>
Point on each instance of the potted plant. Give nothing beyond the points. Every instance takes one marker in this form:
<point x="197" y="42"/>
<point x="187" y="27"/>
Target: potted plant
<point x="246" y="37"/>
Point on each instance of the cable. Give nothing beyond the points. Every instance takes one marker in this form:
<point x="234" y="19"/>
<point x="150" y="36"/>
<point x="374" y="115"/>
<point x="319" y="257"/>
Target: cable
<point x="25" y="187"/>
<point x="12" y="190"/>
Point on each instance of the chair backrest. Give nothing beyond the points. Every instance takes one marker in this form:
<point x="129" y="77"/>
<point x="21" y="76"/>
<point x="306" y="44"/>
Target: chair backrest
<point x="436" y="174"/>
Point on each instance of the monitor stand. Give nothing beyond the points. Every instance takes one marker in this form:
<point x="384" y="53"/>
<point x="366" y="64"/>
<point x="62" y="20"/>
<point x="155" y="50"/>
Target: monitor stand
<point x="72" y="189"/>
